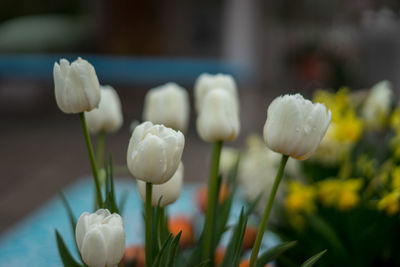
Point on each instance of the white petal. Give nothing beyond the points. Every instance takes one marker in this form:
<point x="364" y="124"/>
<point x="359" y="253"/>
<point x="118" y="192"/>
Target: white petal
<point x="94" y="248"/>
<point x="81" y="229"/>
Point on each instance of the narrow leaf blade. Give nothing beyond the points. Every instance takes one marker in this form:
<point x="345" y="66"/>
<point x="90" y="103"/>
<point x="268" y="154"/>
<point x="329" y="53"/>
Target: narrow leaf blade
<point x="311" y="261"/>
<point x="274" y="253"/>
<point x="65" y="255"/>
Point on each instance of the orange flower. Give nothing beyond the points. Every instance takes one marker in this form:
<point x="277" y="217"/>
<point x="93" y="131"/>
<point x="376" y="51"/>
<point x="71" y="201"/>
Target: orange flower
<point x="134" y="254"/>
<point x="219" y="256"/>
<point x="184" y="224"/>
<point x="249" y="237"/>
<point x="202" y="193"/>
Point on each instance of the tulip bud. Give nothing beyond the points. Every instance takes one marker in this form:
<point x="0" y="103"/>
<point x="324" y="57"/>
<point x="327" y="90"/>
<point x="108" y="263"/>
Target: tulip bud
<point x="108" y="117"/>
<point x="218" y="121"/>
<point x="168" y="191"/>
<point x="169" y="105"/>
<point x="377" y="106"/>
<point x="295" y="126"/>
<point x="77" y="88"/>
<point x="154" y="152"/>
<point x="100" y="238"/>
<point x="208" y="82"/>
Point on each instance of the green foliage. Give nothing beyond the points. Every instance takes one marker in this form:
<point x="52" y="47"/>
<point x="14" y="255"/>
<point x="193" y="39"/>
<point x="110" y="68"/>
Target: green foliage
<point x="109" y="202"/>
<point x="65" y="255"/>
<point x="311" y="261"/>
<point x="273" y="253"/>
<point x="233" y="251"/>
<point x="167" y="254"/>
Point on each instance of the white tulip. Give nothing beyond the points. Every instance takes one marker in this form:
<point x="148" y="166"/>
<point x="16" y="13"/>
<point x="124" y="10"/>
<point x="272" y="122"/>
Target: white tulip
<point x="168" y="191"/>
<point x="154" y="152"/>
<point x="295" y="126"/>
<point x="377" y="106"/>
<point x="218" y="120"/>
<point x="77" y="88"/>
<point x="228" y="159"/>
<point x="208" y="82"/>
<point x="169" y="105"/>
<point x="100" y="238"/>
<point x="257" y="171"/>
<point x="108" y="116"/>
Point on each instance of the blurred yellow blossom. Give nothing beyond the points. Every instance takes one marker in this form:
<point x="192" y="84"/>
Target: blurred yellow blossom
<point x="336" y="103"/>
<point x="396" y="177"/>
<point x="342" y="193"/>
<point x="366" y="166"/>
<point x="300" y="198"/>
<point x="327" y="191"/>
<point x="345" y="129"/>
<point x="390" y="203"/>
<point x="348" y="196"/>
<point x="395" y="119"/>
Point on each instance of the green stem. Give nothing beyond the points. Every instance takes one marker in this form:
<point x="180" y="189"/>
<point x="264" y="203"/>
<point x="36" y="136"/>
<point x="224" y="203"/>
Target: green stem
<point x="263" y="225"/>
<point x="100" y="148"/>
<point x="92" y="160"/>
<point x="148" y="213"/>
<point x="209" y="225"/>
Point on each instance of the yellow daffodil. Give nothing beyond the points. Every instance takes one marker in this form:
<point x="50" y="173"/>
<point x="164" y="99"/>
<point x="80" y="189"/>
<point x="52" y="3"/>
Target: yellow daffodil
<point x="340" y="193"/>
<point x="300" y="198"/>
<point x="390" y="203"/>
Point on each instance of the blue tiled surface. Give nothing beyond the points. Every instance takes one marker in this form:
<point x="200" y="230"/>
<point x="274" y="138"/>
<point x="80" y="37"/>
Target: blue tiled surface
<point x="122" y="69"/>
<point x="32" y="242"/>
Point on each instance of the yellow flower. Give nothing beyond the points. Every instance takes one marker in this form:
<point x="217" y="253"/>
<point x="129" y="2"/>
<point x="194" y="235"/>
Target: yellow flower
<point x="349" y="127"/>
<point x="396" y="177"/>
<point x="390" y="203"/>
<point x="327" y="191"/>
<point x="395" y="119"/>
<point x="342" y="193"/>
<point x="300" y="198"/>
<point x="345" y="129"/>
<point x="337" y="103"/>
<point x="366" y="166"/>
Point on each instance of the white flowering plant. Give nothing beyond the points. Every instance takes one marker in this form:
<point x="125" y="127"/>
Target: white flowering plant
<point x="294" y="128"/>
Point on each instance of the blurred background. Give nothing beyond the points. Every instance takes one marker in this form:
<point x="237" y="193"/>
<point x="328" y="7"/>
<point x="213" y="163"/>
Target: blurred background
<point x="271" y="47"/>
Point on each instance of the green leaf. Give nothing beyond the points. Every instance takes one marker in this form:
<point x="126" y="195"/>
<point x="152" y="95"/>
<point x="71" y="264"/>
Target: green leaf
<point x="65" y="255"/>
<point x="327" y="232"/>
<point x="160" y="254"/>
<point x="173" y="250"/>
<point x="253" y="204"/>
<point x="109" y="201"/>
<point x="232" y="254"/>
<point x="224" y="210"/>
<point x="203" y="263"/>
<point x="233" y="172"/>
<point x="273" y="253"/>
<point x="71" y="218"/>
<point x="311" y="261"/>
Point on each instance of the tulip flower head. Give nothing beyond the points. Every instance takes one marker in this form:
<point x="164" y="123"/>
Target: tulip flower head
<point x="377" y="106"/>
<point x="218" y="120"/>
<point x="77" y="88"/>
<point x="100" y="238"/>
<point x="168" y="105"/>
<point x="154" y="152"/>
<point x="208" y="82"/>
<point x="295" y="126"/>
<point x="108" y="117"/>
<point x="168" y="192"/>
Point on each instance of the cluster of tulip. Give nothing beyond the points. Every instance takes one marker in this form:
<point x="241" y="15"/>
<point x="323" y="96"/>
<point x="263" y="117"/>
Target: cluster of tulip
<point x="294" y="128"/>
